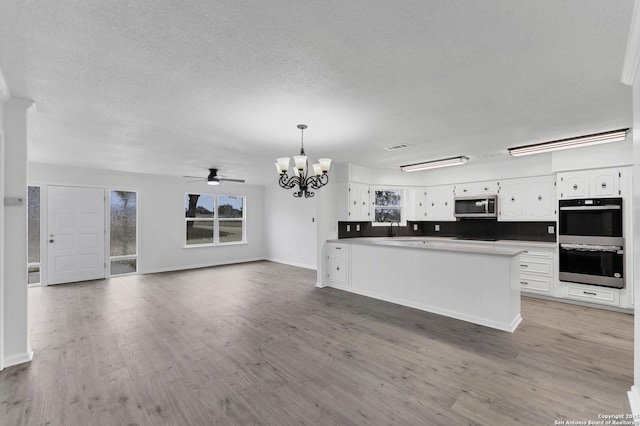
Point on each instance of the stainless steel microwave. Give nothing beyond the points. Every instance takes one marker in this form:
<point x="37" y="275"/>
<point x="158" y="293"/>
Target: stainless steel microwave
<point x="479" y="206"/>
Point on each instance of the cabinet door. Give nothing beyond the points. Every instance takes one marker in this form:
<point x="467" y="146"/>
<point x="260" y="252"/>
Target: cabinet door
<point x="477" y="188"/>
<point x="338" y="264"/>
<point x="541" y="202"/>
<point x="364" y="205"/>
<point x="358" y="202"/>
<point x="440" y="203"/>
<point x="512" y="200"/>
<point x="604" y="183"/>
<point x="574" y="185"/>
<point x="421" y="204"/>
<point x="446" y="203"/>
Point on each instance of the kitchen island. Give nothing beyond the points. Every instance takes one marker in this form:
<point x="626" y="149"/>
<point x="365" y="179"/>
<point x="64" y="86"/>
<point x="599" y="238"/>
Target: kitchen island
<point x="461" y="280"/>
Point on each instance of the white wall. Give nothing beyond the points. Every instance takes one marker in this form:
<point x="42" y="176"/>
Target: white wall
<point x="593" y="157"/>
<point x="161" y="215"/>
<point x="291" y="226"/>
<point x="4" y="96"/>
<point x="15" y="332"/>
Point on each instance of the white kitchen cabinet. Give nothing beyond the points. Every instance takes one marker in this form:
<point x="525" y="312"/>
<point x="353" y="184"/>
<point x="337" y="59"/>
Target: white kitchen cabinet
<point x="476" y="188"/>
<point x="590" y="293"/>
<point x="511" y="200"/>
<point x="439" y="203"/>
<point x="537" y="268"/>
<point x="527" y="199"/>
<point x="420" y="204"/>
<point x="337" y="264"/>
<point x="589" y="183"/>
<point x="353" y="202"/>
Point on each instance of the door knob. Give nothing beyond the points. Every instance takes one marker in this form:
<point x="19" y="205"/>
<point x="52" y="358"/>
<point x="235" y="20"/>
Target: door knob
<point x="51" y="240"/>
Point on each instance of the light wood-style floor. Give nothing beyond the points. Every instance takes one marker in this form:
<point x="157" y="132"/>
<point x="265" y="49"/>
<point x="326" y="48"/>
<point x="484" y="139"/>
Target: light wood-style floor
<point x="256" y="343"/>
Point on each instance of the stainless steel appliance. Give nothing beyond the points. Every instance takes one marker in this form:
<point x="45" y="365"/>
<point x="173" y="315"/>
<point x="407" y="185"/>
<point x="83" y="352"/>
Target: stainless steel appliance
<point x="591" y="242"/>
<point x="480" y="206"/>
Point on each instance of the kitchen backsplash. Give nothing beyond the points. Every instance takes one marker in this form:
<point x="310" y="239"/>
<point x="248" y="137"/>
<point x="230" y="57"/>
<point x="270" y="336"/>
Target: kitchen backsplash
<point x="482" y="229"/>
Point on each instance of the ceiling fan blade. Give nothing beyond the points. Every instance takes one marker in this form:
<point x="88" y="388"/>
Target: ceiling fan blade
<point x="193" y="177"/>
<point x="197" y="180"/>
<point x="230" y="180"/>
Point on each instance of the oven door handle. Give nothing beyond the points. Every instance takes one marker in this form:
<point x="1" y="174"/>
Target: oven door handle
<point x="591" y="247"/>
<point x="606" y="207"/>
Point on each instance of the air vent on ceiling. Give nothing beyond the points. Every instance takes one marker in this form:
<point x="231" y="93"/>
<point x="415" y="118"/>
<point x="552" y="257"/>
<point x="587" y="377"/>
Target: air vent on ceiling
<point x="397" y="147"/>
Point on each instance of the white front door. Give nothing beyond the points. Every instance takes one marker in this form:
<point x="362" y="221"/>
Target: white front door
<point x="75" y="234"/>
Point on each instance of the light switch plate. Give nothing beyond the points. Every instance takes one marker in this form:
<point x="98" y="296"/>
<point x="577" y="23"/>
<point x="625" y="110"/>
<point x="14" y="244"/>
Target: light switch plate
<point x="348" y="228"/>
<point x="13" y="201"/>
<point x="437" y="227"/>
<point x="358" y="228"/>
<point x="551" y="229"/>
<point x="415" y="226"/>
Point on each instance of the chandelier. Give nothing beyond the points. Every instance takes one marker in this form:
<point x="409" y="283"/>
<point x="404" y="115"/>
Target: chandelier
<point x="303" y="177"/>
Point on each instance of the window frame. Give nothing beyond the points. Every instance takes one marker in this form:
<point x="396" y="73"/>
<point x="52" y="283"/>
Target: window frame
<point x="135" y="256"/>
<point x="401" y="207"/>
<point x="216" y="221"/>
<point x="40" y="242"/>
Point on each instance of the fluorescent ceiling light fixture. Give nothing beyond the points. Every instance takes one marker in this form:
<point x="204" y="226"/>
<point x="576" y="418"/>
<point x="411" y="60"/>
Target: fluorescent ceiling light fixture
<point x="454" y="161"/>
<point x="594" y="139"/>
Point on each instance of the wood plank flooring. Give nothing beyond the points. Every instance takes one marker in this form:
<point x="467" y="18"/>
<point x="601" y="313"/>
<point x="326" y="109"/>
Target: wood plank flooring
<point x="256" y="343"/>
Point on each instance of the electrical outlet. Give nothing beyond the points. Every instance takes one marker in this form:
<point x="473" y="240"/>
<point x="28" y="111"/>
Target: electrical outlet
<point x="358" y="228"/>
<point x="348" y="228"/>
<point x="437" y="227"/>
<point x="551" y="229"/>
<point x="415" y="226"/>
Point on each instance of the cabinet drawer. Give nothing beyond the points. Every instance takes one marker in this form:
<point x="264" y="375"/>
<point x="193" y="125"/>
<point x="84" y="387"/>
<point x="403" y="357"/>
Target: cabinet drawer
<point x="530" y="282"/>
<point x="337" y="249"/>
<point x="536" y="265"/>
<point x="610" y="297"/>
<point x="536" y="254"/>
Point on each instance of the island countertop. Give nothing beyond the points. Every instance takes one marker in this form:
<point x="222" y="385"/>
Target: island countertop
<point x="500" y="248"/>
<point x="475" y="281"/>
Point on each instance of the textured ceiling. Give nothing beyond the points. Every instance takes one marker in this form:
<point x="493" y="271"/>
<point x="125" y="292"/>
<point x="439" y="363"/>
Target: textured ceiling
<point x="175" y="88"/>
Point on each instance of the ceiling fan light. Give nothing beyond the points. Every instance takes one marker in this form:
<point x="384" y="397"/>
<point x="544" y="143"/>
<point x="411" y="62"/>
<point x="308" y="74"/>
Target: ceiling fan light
<point x="325" y="164"/>
<point x="213" y="182"/>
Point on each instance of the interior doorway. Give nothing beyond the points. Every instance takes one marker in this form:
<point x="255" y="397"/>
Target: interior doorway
<point x="75" y="238"/>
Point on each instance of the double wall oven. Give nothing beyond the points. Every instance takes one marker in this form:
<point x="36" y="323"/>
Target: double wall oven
<point x="591" y="242"/>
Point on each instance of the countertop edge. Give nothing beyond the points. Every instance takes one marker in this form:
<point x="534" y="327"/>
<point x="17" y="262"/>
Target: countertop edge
<point x="436" y="245"/>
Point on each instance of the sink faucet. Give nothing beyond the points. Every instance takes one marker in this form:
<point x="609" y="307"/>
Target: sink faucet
<point x="397" y="227"/>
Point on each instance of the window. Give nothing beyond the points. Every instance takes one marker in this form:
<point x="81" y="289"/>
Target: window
<point x="388" y="205"/>
<point x="33" y="230"/>
<point x="123" y="235"/>
<point x="206" y="227"/>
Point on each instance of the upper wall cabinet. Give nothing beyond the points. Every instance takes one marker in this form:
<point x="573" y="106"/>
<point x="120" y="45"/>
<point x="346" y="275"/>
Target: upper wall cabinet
<point x="439" y="203"/>
<point x="589" y="183"/>
<point x="527" y="199"/>
<point x="476" y="188"/>
<point x="354" y="202"/>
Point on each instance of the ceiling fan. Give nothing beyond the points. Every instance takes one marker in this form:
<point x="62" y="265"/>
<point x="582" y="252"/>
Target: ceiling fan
<point x="213" y="178"/>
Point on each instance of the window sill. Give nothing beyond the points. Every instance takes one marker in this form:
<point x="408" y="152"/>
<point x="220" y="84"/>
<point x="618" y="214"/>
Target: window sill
<point x="235" y="243"/>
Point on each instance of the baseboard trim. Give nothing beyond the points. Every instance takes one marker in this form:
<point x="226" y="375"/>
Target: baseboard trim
<point x="18" y="358"/>
<point x="577" y="302"/>
<point x="203" y="265"/>
<point x="287" y="262"/>
<point x="634" y="401"/>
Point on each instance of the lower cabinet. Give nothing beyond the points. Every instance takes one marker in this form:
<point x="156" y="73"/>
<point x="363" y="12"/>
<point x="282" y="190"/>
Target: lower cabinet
<point x="589" y="293"/>
<point x="337" y="264"/>
<point x="536" y="270"/>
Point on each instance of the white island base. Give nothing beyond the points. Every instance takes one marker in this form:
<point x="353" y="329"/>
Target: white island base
<point x="467" y="282"/>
